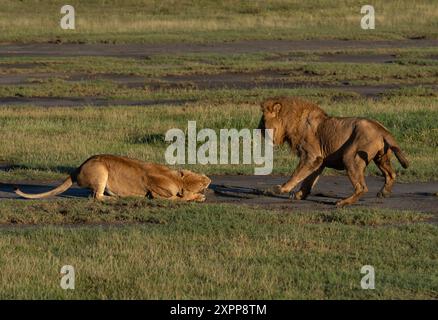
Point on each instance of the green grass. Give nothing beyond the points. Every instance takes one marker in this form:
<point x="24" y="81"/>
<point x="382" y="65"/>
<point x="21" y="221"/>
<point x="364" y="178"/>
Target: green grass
<point x="130" y="211"/>
<point x="211" y="251"/>
<point x="209" y="20"/>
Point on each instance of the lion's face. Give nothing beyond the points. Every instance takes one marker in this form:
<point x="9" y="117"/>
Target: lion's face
<point x="271" y="120"/>
<point x="193" y="182"/>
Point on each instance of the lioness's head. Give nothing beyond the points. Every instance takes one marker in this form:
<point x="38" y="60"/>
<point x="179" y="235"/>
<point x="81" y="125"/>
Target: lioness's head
<point x="271" y="109"/>
<point x="195" y="182"/>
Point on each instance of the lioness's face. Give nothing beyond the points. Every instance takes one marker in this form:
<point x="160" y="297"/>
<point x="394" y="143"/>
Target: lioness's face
<point x="271" y="120"/>
<point x="194" y="182"/>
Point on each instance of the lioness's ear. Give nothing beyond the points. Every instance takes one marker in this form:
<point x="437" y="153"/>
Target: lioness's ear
<point x="184" y="173"/>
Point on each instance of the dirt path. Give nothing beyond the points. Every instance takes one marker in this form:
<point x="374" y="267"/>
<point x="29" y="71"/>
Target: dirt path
<point x="255" y="191"/>
<point x="142" y="50"/>
<point x="86" y="101"/>
<point x="246" y="190"/>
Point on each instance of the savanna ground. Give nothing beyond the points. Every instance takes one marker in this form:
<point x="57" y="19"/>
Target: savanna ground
<point x="124" y="21"/>
<point x="58" y="108"/>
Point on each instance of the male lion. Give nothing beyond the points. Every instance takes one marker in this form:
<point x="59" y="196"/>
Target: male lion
<point x="322" y="141"/>
<point x="122" y="176"/>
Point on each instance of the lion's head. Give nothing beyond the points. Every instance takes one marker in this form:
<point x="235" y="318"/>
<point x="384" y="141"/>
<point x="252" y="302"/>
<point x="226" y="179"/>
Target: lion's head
<point x="287" y="117"/>
<point x="194" y="182"/>
<point x="271" y="119"/>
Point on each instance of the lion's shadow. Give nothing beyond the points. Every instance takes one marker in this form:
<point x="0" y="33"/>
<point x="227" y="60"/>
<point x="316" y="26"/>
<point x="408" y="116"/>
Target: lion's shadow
<point x="240" y="192"/>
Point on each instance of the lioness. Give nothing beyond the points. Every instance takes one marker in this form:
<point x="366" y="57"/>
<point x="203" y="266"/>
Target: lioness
<point x="322" y="141"/>
<point x="122" y="176"/>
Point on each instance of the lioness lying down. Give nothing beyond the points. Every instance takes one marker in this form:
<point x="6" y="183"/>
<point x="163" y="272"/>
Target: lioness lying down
<point x="121" y="176"/>
<point x="322" y="141"/>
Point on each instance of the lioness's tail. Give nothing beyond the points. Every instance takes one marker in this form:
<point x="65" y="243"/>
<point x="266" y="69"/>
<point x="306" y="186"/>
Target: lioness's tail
<point x="389" y="139"/>
<point x="60" y="189"/>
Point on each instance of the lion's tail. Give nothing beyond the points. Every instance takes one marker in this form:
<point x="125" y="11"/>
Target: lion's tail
<point x="393" y="145"/>
<point x="60" y="189"/>
<point x="390" y="140"/>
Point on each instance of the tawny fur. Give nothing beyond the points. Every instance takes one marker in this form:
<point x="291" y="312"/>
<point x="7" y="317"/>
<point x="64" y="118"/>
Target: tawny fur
<point x="322" y="141"/>
<point x="123" y="177"/>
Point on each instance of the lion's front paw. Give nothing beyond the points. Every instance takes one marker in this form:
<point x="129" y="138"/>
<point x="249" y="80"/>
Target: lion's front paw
<point x="340" y="203"/>
<point x="383" y="194"/>
<point x="344" y="202"/>
<point x="299" y="195"/>
<point x="200" y="198"/>
<point x="281" y="189"/>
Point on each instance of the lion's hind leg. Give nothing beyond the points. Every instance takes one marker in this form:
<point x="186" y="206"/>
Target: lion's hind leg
<point x="94" y="176"/>
<point x="98" y="184"/>
<point x="383" y="162"/>
<point x="355" y="170"/>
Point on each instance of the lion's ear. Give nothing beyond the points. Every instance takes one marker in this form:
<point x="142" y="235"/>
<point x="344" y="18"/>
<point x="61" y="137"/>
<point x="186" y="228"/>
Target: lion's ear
<point x="276" y="108"/>
<point x="271" y="106"/>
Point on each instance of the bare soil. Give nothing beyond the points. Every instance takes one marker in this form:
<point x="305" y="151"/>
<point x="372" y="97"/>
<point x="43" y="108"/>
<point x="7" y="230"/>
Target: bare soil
<point x="143" y="50"/>
<point x="86" y="101"/>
